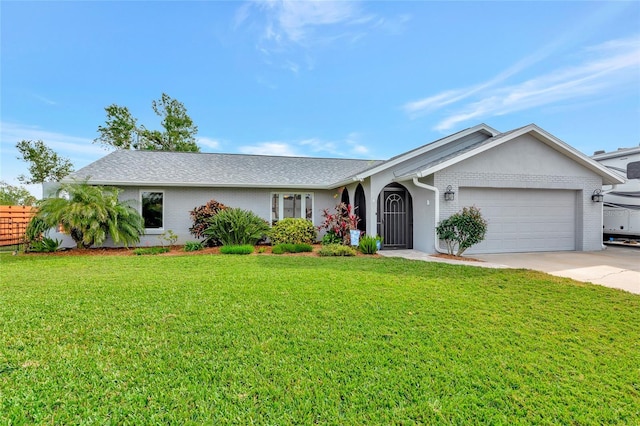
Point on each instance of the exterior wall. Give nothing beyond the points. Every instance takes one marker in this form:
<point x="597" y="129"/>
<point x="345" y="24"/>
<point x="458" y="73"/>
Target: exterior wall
<point x="179" y="201"/>
<point x="423" y="208"/>
<point x="528" y="163"/>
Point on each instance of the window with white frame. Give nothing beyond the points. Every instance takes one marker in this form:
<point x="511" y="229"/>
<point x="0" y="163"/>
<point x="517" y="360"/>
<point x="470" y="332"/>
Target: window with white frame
<point x="291" y="204"/>
<point x="152" y="211"/>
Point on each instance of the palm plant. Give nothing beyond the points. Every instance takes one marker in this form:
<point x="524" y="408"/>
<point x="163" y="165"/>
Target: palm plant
<point x="236" y="227"/>
<point x="90" y="213"/>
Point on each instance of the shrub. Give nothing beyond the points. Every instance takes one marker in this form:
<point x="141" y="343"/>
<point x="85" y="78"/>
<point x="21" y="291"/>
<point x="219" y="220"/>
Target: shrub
<point x="150" y="251"/>
<point x="291" y="248"/>
<point x="331" y="238"/>
<point x="237" y="249"/>
<point x="293" y="231"/>
<point x="44" y="245"/>
<point x="462" y="230"/>
<point x="168" y="236"/>
<point x="36" y="228"/>
<point x="201" y="216"/>
<point x="236" y="227"/>
<point x="193" y="246"/>
<point x="341" y="222"/>
<point x="336" y="250"/>
<point x="368" y="244"/>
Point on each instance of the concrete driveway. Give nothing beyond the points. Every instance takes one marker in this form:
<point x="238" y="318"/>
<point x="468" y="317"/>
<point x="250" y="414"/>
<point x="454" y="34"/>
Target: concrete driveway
<point x="616" y="267"/>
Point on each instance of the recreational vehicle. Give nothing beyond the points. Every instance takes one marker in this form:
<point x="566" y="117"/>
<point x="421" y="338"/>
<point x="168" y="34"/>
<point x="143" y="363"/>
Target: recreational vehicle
<point x="622" y="202"/>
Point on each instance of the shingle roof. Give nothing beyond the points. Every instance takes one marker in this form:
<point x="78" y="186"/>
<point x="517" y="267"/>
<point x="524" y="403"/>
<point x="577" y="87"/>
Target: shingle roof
<point x="441" y="156"/>
<point x="204" y="169"/>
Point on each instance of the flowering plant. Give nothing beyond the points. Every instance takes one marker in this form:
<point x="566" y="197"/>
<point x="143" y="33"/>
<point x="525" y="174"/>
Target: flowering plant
<point x="341" y="222"/>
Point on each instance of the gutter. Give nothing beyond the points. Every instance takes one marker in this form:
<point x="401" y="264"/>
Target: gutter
<point x="436" y="191"/>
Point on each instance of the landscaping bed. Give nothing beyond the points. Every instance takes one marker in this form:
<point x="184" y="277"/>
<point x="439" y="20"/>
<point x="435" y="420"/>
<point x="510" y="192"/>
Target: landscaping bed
<point x="259" y="250"/>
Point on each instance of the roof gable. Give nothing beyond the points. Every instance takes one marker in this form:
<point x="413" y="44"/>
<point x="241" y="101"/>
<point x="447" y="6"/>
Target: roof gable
<point x="439" y="148"/>
<point x="543" y="136"/>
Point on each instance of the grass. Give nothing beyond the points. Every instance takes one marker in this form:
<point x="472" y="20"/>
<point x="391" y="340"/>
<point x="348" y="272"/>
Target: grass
<point x="144" y="251"/>
<point x="305" y="340"/>
<point x="237" y="249"/>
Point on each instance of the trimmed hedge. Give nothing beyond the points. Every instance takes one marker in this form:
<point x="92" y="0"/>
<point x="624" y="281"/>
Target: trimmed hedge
<point x="291" y="248"/>
<point x="293" y="231"/>
<point x="336" y="250"/>
<point x="241" y="249"/>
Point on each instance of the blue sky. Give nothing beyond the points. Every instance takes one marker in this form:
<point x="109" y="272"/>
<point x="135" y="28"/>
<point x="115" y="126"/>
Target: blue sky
<point x="328" y="79"/>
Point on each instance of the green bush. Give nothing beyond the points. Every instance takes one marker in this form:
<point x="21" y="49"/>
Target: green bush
<point x="44" y="245"/>
<point x="150" y="250"/>
<point x="336" y="250"/>
<point x="293" y="231"/>
<point x="462" y="230"/>
<point x="236" y="227"/>
<point x="291" y="248"/>
<point x="330" y="237"/>
<point x="237" y="249"/>
<point x="193" y="246"/>
<point x="368" y="244"/>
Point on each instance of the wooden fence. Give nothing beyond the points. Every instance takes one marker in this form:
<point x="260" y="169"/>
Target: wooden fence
<point x="13" y="223"/>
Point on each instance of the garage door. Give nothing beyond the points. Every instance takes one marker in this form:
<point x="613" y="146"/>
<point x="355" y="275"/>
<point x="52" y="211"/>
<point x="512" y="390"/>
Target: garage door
<point x="521" y="220"/>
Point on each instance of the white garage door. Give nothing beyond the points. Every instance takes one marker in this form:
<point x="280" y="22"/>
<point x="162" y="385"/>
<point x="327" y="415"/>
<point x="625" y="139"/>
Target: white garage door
<point x="523" y="220"/>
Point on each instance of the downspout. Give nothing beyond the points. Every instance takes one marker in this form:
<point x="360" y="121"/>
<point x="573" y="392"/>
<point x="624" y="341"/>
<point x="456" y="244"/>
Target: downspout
<point x="436" y="192"/>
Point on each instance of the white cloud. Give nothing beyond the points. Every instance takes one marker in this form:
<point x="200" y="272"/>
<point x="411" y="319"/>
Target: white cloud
<point x="294" y="27"/>
<point x="79" y="150"/>
<point x="66" y="145"/>
<point x="606" y="67"/>
<point x="208" y="143"/>
<point x="297" y="21"/>
<point x="346" y="147"/>
<point x="45" y="100"/>
<point x="270" y="148"/>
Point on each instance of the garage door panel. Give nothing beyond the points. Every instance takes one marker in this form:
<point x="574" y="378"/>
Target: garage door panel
<point x="522" y="220"/>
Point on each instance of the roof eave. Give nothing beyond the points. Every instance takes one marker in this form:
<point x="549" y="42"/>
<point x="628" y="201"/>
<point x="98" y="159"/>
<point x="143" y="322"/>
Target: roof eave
<point x="206" y="185"/>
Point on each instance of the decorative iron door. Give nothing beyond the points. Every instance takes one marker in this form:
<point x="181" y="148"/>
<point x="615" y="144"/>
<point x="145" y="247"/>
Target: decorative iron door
<point x="395" y="218"/>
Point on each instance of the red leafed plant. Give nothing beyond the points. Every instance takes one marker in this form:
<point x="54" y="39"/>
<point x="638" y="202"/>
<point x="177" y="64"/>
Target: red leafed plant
<point x="340" y="222"/>
<point x="201" y="216"/>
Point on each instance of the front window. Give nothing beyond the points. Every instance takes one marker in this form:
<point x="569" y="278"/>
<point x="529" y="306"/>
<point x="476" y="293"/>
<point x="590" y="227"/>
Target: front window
<point x="152" y="209"/>
<point x="294" y="205"/>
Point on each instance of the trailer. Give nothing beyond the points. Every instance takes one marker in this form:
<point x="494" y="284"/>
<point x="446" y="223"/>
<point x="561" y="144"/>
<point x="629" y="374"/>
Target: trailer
<point x="621" y="210"/>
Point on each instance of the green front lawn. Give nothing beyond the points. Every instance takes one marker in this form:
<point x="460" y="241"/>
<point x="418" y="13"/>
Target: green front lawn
<point x="303" y="340"/>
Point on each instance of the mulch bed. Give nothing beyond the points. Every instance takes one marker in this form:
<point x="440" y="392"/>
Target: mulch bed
<point x="260" y="250"/>
<point x="452" y="257"/>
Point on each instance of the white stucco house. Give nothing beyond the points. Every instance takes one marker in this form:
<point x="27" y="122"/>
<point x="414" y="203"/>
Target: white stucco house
<point x="534" y="190"/>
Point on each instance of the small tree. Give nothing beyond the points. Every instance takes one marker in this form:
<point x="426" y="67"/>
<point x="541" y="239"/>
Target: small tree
<point x="15" y="195"/>
<point x="44" y="164"/>
<point x="341" y="222"/>
<point x="462" y="230"/>
<point x="90" y="213"/>
<point x="121" y="130"/>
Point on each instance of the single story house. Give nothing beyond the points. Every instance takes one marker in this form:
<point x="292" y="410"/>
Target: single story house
<point x="534" y="190"/>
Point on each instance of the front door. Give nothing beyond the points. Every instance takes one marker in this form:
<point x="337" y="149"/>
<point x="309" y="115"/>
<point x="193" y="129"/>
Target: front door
<point x="395" y="217"/>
